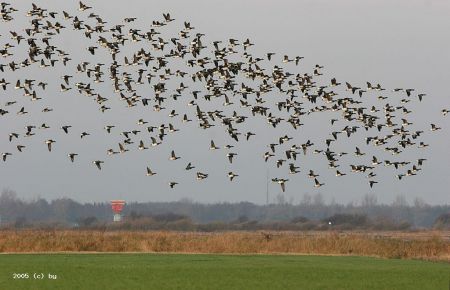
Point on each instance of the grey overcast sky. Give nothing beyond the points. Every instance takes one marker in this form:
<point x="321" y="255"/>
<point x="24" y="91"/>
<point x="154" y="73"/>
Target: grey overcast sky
<point x="395" y="43"/>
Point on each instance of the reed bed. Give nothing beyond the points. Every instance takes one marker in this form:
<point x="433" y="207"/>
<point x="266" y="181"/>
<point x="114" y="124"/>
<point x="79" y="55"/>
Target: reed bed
<point x="429" y="245"/>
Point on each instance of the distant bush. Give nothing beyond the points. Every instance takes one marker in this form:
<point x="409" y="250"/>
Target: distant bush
<point x="299" y="220"/>
<point x="169" y="217"/>
<point x="171" y="221"/>
<point x="442" y="222"/>
<point x="87" y="221"/>
<point x="347" y="220"/>
<point x="310" y="213"/>
<point x="387" y="224"/>
<point x="20" y="222"/>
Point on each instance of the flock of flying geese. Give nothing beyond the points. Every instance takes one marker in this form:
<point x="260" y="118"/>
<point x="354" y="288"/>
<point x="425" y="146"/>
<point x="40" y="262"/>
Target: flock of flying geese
<point x="227" y="72"/>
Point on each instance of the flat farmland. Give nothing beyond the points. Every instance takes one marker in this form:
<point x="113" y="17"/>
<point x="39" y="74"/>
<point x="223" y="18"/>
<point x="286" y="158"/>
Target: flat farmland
<point x="205" y="271"/>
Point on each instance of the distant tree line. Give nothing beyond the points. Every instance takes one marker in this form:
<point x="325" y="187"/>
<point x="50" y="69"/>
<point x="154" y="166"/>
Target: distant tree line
<point x="312" y="213"/>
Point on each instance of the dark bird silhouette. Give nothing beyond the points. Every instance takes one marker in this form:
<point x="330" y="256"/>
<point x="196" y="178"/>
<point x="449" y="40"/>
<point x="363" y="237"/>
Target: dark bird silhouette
<point x="150" y="172"/>
<point x="98" y="163"/>
<point x="72" y="156"/>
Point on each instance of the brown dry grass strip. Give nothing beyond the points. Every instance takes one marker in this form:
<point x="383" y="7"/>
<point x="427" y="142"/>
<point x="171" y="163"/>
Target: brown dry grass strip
<point x="430" y="246"/>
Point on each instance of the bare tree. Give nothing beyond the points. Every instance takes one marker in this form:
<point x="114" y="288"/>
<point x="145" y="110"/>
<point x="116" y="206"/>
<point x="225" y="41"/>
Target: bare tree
<point x="306" y="200"/>
<point x="8" y="195"/>
<point x="318" y="199"/>
<point x="280" y="199"/>
<point x="369" y="200"/>
<point x="420" y="203"/>
<point x="400" y="201"/>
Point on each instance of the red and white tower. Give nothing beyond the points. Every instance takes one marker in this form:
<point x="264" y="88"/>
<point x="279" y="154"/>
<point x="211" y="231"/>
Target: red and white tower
<point x="117" y="207"/>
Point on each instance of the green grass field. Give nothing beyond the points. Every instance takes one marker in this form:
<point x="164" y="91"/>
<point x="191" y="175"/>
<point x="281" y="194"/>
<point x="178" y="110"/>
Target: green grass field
<point x="151" y="271"/>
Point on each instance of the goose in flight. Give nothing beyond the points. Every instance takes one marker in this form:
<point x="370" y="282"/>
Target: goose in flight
<point x="91" y="49"/>
<point x="22" y="111"/>
<point x="249" y="134"/>
<point x="286" y="59"/>
<point x="281" y="182"/>
<point x="111" y="152"/>
<point x="334" y="82"/>
<point x="83" y="7"/>
<point x="172" y="184"/>
<point x="189" y="166"/>
<point x="339" y="174"/>
<point x="371" y="175"/>
<point x="230" y="156"/>
<point x="13" y="135"/>
<point x="186" y="119"/>
<point x="72" y="156"/>
<point x="66" y="128"/>
<point x="280" y="162"/>
<point x="297" y="59"/>
<point x="201" y="176"/>
<point x="98" y="163"/>
<point x="142" y="146"/>
<point x="172" y="129"/>
<point x="420" y="96"/>
<point x="49" y="143"/>
<point x="435" y="127"/>
<point x="420" y="161"/>
<point x="409" y="172"/>
<point x="84" y="134"/>
<point x="108" y="128"/>
<point x="317" y="183"/>
<point x="122" y="148"/>
<point x="358" y="152"/>
<point x="150" y="172"/>
<point x="375" y="161"/>
<point x="167" y="17"/>
<point x="154" y="142"/>
<point x="311" y="174"/>
<point x="66" y="79"/>
<point x="5" y="155"/>
<point x="293" y="168"/>
<point x="64" y="88"/>
<point x="213" y="146"/>
<point x="267" y="155"/>
<point x="272" y="146"/>
<point x="141" y="122"/>
<point x="232" y="175"/>
<point x="173" y="156"/>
